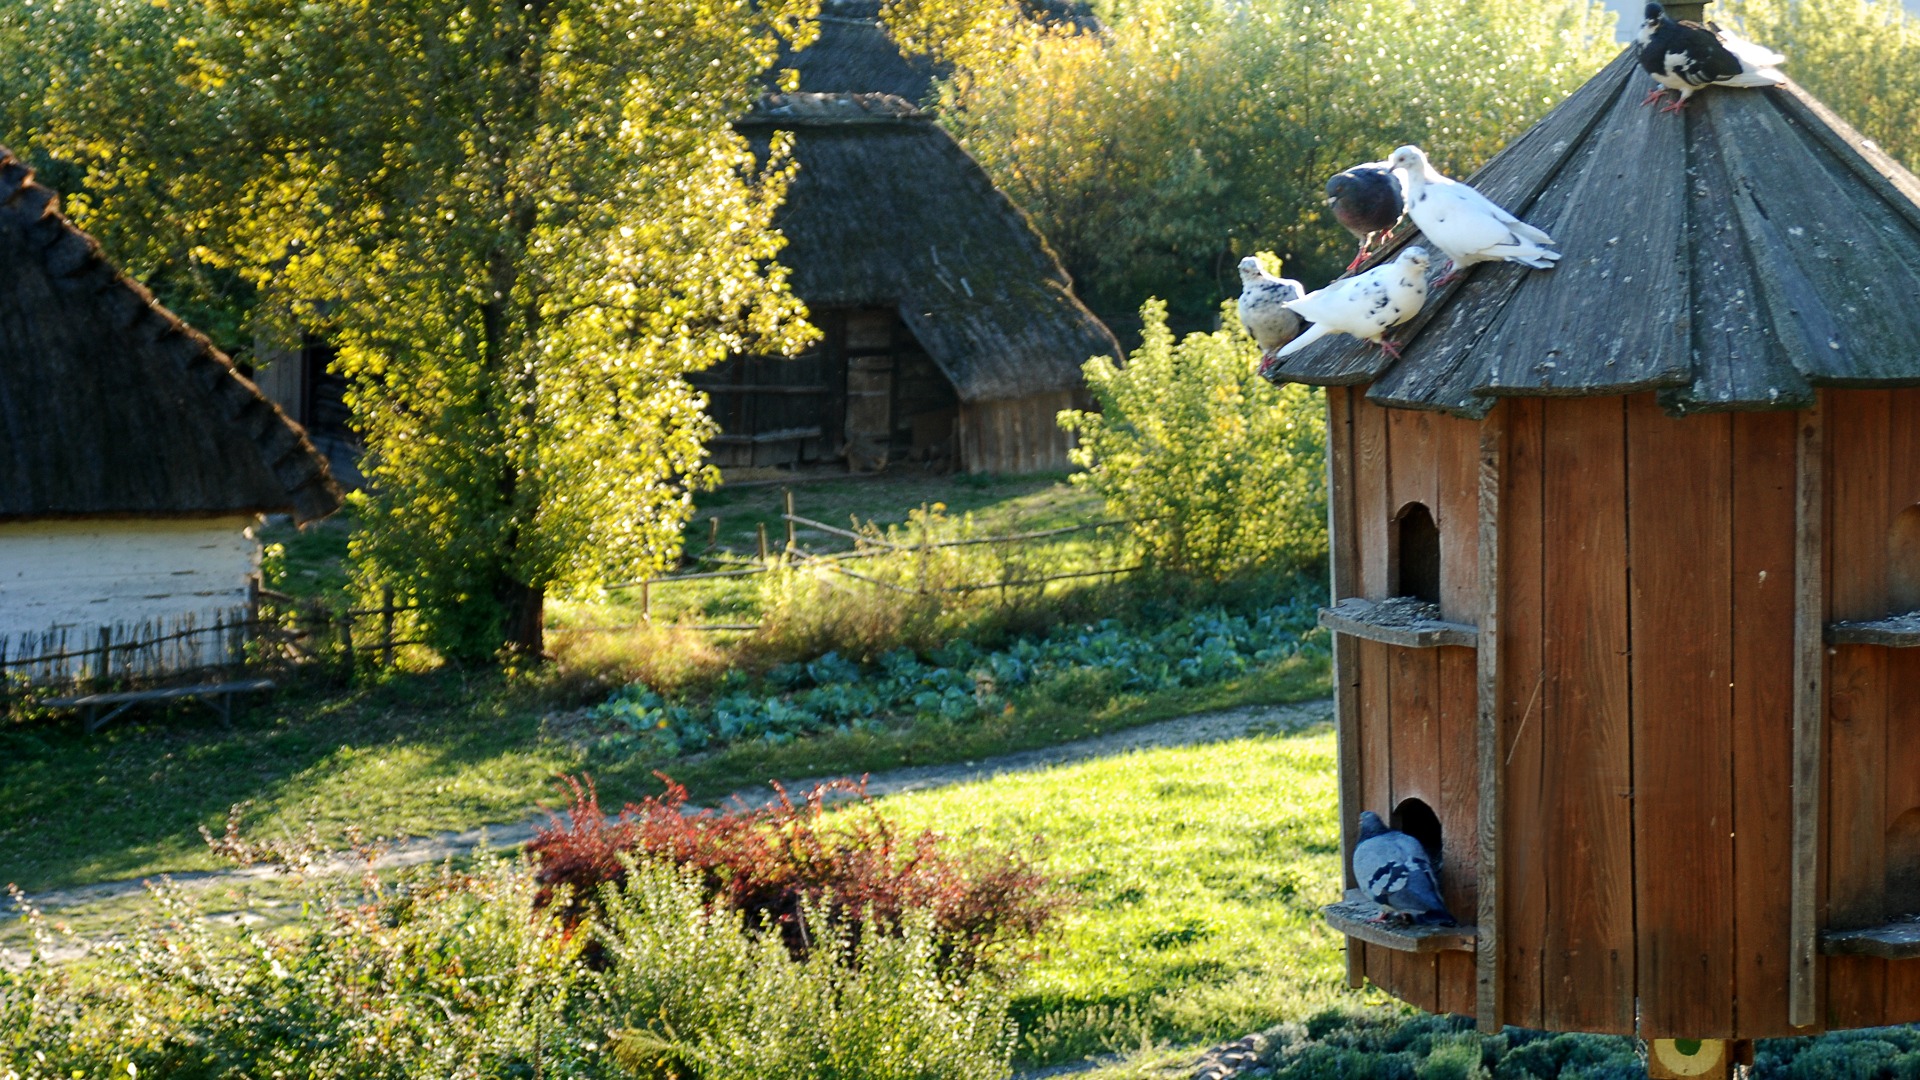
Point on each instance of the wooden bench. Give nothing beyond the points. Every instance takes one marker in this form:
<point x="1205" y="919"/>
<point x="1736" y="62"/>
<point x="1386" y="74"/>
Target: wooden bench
<point x="216" y="696"/>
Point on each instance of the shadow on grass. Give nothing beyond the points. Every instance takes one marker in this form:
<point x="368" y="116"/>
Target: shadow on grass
<point x="409" y="751"/>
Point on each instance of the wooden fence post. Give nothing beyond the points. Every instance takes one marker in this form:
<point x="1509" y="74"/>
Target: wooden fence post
<point x="386" y="627"/>
<point x="789" y="494"/>
<point x="646" y="598"/>
<point x="763" y="541"/>
<point x="104" y="666"/>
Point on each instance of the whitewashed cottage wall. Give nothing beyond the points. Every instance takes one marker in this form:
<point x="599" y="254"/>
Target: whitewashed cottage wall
<point x="87" y="573"/>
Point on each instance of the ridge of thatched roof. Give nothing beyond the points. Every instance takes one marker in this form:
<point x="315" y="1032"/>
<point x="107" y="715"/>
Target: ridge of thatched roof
<point x="854" y="55"/>
<point x="888" y="210"/>
<point x="110" y="405"/>
<point x="1734" y="257"/>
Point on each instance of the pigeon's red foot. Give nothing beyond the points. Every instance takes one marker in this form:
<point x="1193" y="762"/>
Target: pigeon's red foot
<point x="1390" y="347"/>
<point x="1652" y="97"/>
<point x="1451" y="276"/>
<point x="1357" y="259"/>
<point x="1678" y="104"/>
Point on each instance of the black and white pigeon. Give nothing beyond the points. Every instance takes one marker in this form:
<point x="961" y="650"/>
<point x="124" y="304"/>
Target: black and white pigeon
<point x="1367" y="200"/>
<point x="1685" y="56"/>
<point x="1367" y="305"/>
<point x="1394" y="871"/>
<point x="1263" y="307"/>
<point x="1466" y="225"/>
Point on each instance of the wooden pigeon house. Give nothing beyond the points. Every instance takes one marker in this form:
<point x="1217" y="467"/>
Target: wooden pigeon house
<point x="1626" y="562"/>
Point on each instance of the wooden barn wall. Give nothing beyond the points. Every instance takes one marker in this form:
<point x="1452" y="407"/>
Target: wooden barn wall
<point x="1016" y="435"/>
<point x="1873" y="703"/>
<point x="1417" y="706"/>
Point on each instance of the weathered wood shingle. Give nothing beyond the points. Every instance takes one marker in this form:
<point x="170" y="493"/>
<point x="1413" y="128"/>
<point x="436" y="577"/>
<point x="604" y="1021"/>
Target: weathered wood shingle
<point x="110" y="405"/>
<point x="1733" y="257"/>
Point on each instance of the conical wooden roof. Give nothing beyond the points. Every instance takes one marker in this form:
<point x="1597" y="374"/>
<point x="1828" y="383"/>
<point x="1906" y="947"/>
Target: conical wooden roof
<point x="1733" y="257"/>
<point x="110" y="405"/>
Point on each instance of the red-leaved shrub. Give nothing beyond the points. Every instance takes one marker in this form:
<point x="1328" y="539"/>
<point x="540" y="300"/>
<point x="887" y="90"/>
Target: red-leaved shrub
<point x="768" y="863"/>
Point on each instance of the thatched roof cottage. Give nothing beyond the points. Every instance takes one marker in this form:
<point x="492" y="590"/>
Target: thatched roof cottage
<point x="134" y="459"/>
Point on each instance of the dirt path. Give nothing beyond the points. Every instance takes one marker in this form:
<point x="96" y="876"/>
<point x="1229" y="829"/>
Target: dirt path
<point x="1184" y="731"/>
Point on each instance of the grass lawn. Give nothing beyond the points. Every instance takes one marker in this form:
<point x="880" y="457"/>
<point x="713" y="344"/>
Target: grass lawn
<point x="419" y="753"/>
<point x="1199" y="872"/>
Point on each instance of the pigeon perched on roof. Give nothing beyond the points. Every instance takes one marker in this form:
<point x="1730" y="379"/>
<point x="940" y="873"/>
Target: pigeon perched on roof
<point x="1394" y="871"/>
<point x="1263" y="311"/>
<point x="1685" y="56"/>
<point x="1366" y="306"/>
<point x="1367" y="200"/>
<point x="1466" y="225"/>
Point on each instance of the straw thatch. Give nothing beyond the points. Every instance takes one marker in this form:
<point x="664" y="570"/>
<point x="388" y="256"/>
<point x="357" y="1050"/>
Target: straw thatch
<point x="887" y="210"/>
<point x="1733" y="257"/>
<point x="110" y="405"/>
<point x="853" y="54"/>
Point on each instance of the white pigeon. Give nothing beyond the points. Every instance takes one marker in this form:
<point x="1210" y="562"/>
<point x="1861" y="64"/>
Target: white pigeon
<point x="1263" y="311"/>
<point x="1367" y="305"/>
<point x="1465" y="224"/>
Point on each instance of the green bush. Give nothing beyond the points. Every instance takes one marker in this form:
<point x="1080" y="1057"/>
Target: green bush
<point x="454" y="974"/>
<point x="1221" y="472"/>
<point x="687" y="993"/>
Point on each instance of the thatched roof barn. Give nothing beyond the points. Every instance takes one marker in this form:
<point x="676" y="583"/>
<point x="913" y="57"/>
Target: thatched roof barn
<point x="952" y="332"/>
<point x="133" y="457"/>
<point x="1626" y="562"/>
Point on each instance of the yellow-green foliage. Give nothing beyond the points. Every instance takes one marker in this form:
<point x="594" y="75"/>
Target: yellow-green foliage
<point x="1860" y="57"/>
<point x="523" y="225"/>
<point x="1192" y="132"/>
<point x="1222" y="471"/>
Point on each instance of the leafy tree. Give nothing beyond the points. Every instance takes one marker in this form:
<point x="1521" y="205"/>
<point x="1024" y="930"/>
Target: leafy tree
<point x="1860" y="57"/>
<point x="522" y="222"/>
<point x="1157" y="154"/>
<point x="1222" y="471"/>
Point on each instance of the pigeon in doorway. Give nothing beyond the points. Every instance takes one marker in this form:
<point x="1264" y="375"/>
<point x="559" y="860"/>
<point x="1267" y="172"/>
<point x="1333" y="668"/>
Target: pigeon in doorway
<point x="1263" y="307"/>
<point x="1366" y="306"/>
<point x="1465" y="224"/>
<point x="1685" y="56"/>
<point x="1394" y="872"/>
<point x="1367" y="200"/>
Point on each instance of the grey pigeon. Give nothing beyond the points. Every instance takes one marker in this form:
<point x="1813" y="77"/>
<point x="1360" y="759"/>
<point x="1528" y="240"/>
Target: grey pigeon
<point x="1394" y="871"/>
<point x="1367" y="200"/>
<point x="1685" y="56"/>
<point x="1263" y="300"/>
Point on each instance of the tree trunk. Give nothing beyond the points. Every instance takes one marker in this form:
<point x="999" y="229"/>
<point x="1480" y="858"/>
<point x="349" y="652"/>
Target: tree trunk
<point x="525" y="619"/>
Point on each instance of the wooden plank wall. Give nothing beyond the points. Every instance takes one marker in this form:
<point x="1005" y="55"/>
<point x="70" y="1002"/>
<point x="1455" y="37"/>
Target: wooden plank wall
<point x="1873" y="713"/>
<point x="1569" y="947"/>
<point x="1018" y="435"/>
<point x="1417" y="707"/>
<point x="1646" y="711"/>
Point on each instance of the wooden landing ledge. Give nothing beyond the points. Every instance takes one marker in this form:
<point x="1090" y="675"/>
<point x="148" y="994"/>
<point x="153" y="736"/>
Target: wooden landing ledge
<point x="1898" y="940"/>
<point x="1402" y="620"/>
<point x="1352" y="918"/>
<point x="1894" y="631"/>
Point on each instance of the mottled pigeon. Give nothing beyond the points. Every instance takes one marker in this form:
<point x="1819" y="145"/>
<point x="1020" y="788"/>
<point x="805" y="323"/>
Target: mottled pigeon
<point x="1263" y="307"/>
<point x="1465" y="224"/>
<point x="1366" y="306"/>
<point x="1394" y="871"/>
<point x="1685" y="56"/>
<point x="1367" y="200"/>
